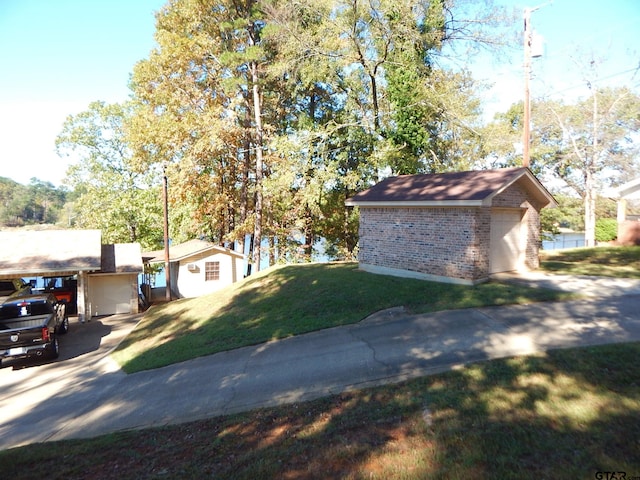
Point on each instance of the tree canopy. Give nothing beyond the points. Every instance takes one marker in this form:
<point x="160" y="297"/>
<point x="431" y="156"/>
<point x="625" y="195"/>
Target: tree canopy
<point x="39" y="202"/>
<point x="590" y="144"/>
<point x="268" y="114"/>
<point x="109" y="194"/>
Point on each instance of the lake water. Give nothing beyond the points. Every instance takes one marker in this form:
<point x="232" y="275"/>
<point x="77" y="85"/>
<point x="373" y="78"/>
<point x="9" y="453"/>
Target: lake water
<point x="564" y="240"/>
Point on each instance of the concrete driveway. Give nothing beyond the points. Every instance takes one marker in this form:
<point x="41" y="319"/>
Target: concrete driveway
<point x="36" y="396"/>
<point x="88" y="395"/>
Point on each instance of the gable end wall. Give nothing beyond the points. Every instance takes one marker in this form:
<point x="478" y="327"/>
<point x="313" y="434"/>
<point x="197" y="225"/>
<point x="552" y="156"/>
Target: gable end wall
<point x="516" y="197"/>
<point x="193" y="283"/>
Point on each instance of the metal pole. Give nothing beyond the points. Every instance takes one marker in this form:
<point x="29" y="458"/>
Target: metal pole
<point x="167" y="264"/>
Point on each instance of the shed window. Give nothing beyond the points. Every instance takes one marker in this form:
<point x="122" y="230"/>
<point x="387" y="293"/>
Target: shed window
<point x="212" y="271"/>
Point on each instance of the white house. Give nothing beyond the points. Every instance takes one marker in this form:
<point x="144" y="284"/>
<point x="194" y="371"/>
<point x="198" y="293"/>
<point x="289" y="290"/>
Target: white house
<point x="199" y="267"/>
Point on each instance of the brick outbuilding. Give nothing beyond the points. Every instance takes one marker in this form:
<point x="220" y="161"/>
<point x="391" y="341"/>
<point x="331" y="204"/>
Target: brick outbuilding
<point x="457" y="227"/>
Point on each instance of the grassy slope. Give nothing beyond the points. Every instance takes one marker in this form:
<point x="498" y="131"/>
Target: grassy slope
<point x="291" y="300"/>
<point x="568" y="414"/>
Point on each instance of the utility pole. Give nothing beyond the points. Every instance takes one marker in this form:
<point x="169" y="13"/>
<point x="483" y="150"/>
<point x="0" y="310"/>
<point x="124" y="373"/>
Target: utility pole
<point x="526" y="136"/>
<point x="167" y="263"/>
<point x="528" y="44"/>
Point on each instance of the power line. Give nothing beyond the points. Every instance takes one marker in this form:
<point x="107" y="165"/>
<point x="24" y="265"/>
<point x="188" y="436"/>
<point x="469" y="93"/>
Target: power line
<point x="613" y="75"/>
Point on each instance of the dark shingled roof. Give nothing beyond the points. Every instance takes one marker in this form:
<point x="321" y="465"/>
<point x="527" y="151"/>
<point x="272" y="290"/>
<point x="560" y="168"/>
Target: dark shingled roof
<point x="454" y="188"/>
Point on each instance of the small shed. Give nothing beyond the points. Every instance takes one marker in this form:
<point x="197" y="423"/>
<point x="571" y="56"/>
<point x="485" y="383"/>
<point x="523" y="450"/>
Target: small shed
<point x="199" y="267"/>
<point x="457" y="227"/>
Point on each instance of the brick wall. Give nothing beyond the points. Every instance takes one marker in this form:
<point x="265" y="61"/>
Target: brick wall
<point x="435" y="241"/>
<point x="629" y="233"/>
<point x="443" y="241"/>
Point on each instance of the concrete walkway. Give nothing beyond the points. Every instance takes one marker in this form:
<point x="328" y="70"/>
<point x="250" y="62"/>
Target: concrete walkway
<point x="582" y="284"/>
<point x="62" y="400"/>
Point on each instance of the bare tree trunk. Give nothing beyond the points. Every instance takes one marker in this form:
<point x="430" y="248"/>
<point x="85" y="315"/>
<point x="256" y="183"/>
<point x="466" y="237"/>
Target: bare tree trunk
<point x="589" y="210"/>
<point x="273" y="254"/>
<point x="590" y="188"/>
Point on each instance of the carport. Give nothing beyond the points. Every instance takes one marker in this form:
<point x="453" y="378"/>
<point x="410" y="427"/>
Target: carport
<point x="52" y="253"/>
<point x="106" y="275"/>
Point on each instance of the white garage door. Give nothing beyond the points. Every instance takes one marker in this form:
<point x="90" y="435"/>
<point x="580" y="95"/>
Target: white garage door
<point x="109" y="294"/>
<point x="507" y="247"/>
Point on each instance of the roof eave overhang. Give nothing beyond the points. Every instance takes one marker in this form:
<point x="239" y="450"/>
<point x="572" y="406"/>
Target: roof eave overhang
<point x="214" y="249"/>
<point x="103" y="274"/>
<point x="38" y="272"/>
<point x="421" y="203"/>
<point x="232" y="253"/>
<point x="629" y="190"/>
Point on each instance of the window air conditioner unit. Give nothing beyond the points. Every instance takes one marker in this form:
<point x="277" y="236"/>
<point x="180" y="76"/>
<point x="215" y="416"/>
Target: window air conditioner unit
<point x="192" y="267"/>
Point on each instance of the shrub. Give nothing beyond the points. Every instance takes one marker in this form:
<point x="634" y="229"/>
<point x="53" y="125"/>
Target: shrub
<point x="606" y="229"/>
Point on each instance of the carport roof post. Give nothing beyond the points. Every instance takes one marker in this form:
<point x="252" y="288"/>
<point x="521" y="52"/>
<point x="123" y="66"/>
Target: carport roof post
<point x="49" y="252"/>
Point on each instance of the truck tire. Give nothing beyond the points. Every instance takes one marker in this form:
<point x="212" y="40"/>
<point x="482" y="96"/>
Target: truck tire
<point x="54" y="351"/>
<point x="64" y="326"/>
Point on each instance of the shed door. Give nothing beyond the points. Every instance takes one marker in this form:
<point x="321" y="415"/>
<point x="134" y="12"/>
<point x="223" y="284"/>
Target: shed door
<point x="109" y="294"/>
<point x="506" y="240"/>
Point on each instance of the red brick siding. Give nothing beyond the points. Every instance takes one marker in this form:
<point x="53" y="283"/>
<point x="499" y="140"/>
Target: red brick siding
<point x="629" y="233"/>
<point x="443" y="241"/>
<point x="436" y="241"/>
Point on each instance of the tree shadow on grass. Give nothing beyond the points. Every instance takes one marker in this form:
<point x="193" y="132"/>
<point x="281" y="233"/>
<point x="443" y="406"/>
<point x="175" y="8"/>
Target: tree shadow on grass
<point x="530" y="417"/>
<point x="566" y="414"/>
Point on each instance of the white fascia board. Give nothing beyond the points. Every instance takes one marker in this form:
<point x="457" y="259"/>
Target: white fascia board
<point x="40" y="272"/>
<point x="213" y="249"/>
<point x="629" y="190"/>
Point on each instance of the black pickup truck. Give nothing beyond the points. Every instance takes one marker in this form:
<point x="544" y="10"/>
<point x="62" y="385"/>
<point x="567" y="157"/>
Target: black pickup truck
<point x="30" y="325"/>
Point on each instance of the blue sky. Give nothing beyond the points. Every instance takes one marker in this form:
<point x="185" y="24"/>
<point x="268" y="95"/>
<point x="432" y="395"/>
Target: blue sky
<point x="58" y="56"/>
<point x="573" y="31"/>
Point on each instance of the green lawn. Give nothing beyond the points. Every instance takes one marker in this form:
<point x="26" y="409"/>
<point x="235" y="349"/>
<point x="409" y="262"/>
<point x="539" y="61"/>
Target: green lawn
<point x="290" y="300"/>
<point x="567" y="414"/>
<point x="622" y="262"/>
